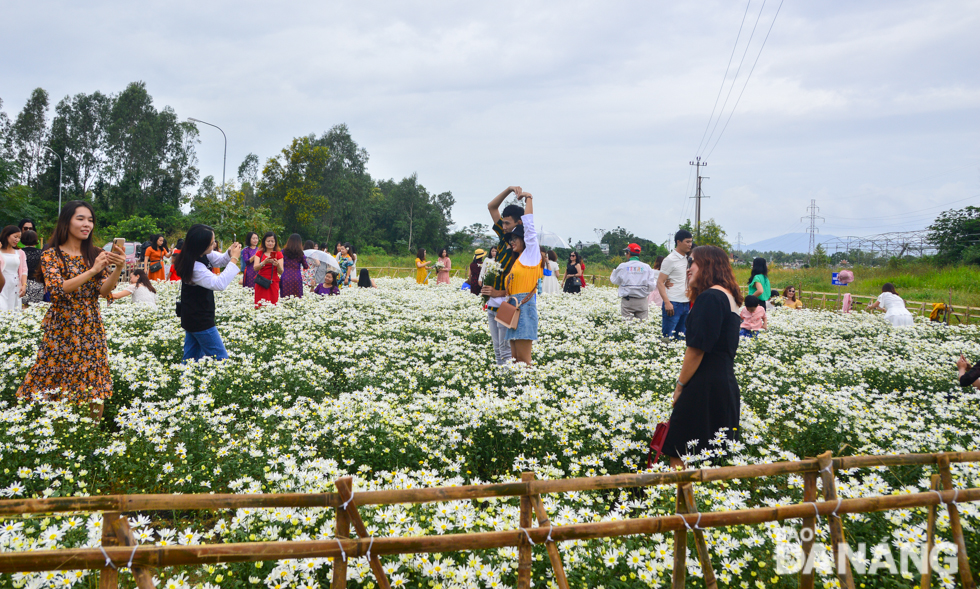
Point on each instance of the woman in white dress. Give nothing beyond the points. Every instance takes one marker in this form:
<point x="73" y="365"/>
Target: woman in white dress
<point x="140" y="288"/>
<point x="894" y="306"/>
<point x="14" y="269"/>
<point x="549" y="284"/>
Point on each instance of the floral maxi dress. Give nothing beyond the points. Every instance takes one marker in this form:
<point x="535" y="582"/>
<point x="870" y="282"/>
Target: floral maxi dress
<point x="73" y="356"/>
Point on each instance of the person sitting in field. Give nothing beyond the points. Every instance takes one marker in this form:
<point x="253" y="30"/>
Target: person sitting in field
<point x="969" y="375"/>
<point x="789" y="298"/>
<point x="894" y="306"/>
<point x="329" y="284"/>
<point x="140" y="288"/>
<point x="753" y="317"/>
<point x="364" y="279"/>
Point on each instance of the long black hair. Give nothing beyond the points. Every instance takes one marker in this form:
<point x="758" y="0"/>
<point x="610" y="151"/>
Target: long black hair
<point x="420" y="254"/>
<point x="198" y="240"/>
<point x="248" y="239"/>
<point x="60" y="235"/>
<point x="157" y="237"/>
<point x="758" y="267"/>
<point x="265" y="237"/>
<point x="180" y="244"/>
<point x="143" y="279"/>
<point x="5" y="236"/>
<point x="294" y="247"/>
<point x="364" y="279"/>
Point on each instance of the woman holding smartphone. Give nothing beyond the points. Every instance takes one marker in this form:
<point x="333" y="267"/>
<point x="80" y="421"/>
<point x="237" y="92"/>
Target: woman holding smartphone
<point x="73" y="359"/>
<point x="268" y="264"/>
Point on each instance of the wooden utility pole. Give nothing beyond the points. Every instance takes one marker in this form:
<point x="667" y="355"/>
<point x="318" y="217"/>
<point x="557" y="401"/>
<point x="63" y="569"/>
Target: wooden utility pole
<point x="698" y="196"/>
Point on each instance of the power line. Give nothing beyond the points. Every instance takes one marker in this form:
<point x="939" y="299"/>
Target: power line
<point x="812" y="230"/>
<point x="905" y="214"/>
<point x="737" y="70"/>
<point x="724" y="77"/>
<point x="747" y="78"/>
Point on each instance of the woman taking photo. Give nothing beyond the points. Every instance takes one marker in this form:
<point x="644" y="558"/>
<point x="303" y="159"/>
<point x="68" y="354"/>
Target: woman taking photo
<point x="706" y="396"/>
<point x="442" y="274"/>
<point x="574" y="273"/>
<point x="251" y="247"/>
<point x="759" y="280"/>
<point x="895" y="311"/>
<point x="198" y="283"/>
<point x="73" y="360"/>
<point x="421" y="267"/>
<point x="268" y="265"/>
<point x="14" y="269"/>
<point x="294" y="262"/>
<point x="140" y="288"/>
<point x="522" y="282"/>
<point x="154" y="258"/>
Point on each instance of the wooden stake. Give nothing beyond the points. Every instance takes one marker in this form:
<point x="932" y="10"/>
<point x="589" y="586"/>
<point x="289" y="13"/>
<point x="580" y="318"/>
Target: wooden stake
<point x="691" y="506"/>
<point x="341" y="531"/>
<point x="124" y="535"/>
<point x="524" y="554"/>
<point x="344" y="486"/>
<point x="560" y="579"/>
<point x="679" y="573"/>
<point x="954" y="523"/>
<point x="836" y="527"/>
<point x="809" y="523"/>
<point x="930" y="536"/>
<point x="109" y="576"/>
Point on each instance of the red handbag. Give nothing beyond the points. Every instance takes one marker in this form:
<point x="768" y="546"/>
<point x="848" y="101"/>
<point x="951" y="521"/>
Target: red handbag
<point x="657" y="443"/>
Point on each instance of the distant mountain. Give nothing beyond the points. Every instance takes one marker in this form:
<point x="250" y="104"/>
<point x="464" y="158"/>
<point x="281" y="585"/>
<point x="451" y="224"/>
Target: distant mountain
<point x="788" y="243"/>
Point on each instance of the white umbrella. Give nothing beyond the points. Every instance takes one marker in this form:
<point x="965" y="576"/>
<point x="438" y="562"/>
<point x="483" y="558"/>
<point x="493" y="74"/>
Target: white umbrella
<point x="552" y="240"/>
<point x="324" y="257"/>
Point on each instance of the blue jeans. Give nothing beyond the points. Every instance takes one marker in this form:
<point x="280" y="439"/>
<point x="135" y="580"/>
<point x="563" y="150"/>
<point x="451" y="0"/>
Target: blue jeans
<point x="675" y="325"/>
<point x="747" y="333"/>
<point x="204" y="343"/>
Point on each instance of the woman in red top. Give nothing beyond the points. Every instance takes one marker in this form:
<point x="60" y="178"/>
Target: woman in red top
<point x="173" y="267"/>
<point x="268" y="263"/>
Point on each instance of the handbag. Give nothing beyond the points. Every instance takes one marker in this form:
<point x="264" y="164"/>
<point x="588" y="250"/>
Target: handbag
<point x="657" y="443"/>
<point x="177" y="304"/>
<point x="263" y="281"/>
<point x="156" y="267"/>
<point x="508" y="315"/>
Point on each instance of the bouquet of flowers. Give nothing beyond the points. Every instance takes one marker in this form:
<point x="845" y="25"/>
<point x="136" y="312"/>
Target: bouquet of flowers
<point x="493" y="271"/>
<point x="440" y="266"/>
<point x="776" y="301"/>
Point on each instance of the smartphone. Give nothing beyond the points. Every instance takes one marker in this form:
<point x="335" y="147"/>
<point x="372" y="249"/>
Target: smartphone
<point x="121" y="242"/>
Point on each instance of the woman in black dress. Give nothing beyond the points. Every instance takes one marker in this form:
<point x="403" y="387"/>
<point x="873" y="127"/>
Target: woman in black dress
<point x="706" y="398"/>
<point x="573" y="274"/>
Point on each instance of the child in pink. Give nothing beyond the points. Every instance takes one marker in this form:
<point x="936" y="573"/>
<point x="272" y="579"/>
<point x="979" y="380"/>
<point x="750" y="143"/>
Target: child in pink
<point x="753" y="316"/>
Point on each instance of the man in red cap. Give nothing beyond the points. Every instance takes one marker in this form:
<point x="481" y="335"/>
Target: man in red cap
<point x="635" y="280"/>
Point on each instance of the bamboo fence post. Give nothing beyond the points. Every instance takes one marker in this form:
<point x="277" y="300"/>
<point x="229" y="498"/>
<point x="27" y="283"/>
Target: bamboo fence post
<point x="109" y="576"/>
<point x="120" y="527"/>
<point x="346" y="490"/>
<point x="823" y="302"/>
<point x="930" y="536"/>
<point x="341" y="532"/>
<point x="679" y="572"/>
<point x="809" y="523"/>
<point x="702" y="547"/>
<point x="954" y="523"/>
<point x="836" y="527"/>
<point x="922" y="311"/>
<point x="560" y="579"/>
<point x="524" y="554"/>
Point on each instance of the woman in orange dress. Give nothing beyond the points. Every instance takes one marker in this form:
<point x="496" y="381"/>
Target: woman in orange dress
<point x="154" y="258"/>
<point x="73" y="360"/>
<point x="268" y="263"/>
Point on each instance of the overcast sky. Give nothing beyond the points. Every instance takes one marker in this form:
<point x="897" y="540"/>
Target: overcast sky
<point x="871" y="108"/>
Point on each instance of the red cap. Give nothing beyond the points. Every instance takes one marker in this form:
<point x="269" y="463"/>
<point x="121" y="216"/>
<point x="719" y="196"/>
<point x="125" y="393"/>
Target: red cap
<point x="633" y="248"/>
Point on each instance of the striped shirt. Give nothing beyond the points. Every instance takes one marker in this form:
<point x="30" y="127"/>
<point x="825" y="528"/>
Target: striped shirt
<point x="506" y="258"/>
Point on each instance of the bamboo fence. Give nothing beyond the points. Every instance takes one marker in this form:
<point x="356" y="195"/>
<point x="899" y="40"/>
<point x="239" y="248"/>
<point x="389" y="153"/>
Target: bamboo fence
<point x="119" y="548"/>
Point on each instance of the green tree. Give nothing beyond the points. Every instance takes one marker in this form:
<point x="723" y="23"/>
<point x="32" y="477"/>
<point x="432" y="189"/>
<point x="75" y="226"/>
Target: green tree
<point x="79" y="136"/>
<point x="953" y="232"/>
<point x="409" y="214"/>
<point x="713" y="234"/>
<point x="293" y="178"/>
<point x="819" y="257"/>
<point x="619" y="238"/>
<point x="230" y="215"/>
<point x="352" y="193"/>
<point x="30" y="135"/>
<point x="15" y="201"/>
<point x="134" y="228"/>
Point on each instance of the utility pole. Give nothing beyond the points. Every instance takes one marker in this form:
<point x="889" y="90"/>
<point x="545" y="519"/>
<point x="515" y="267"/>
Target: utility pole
<point x="738" y="239"/>
<point x="697" y="210"/>
<point x="812" y="229"/>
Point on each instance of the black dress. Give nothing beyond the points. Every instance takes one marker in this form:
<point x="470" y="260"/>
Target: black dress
<point x="572" y="283"/>
<point x="711" y="400"/>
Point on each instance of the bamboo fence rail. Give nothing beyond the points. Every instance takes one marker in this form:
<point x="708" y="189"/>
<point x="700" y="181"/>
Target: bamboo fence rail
<point x="120" y="548"/>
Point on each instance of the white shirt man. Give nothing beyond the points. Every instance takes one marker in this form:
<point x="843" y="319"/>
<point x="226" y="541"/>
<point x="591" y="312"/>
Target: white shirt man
<point x="674" y="269"/>
<point x="635" y="280"/>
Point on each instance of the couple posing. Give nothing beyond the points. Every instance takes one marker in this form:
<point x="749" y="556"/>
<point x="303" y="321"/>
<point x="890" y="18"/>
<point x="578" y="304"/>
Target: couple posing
<point x="521" y="266"/>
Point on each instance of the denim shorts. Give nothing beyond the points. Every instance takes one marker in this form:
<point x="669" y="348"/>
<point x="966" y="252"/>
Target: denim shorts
<point x="527" y="325"/>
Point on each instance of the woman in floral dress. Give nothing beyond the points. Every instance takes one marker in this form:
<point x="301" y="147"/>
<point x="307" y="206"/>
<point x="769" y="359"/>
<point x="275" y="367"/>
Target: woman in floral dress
<point x="251" y="247"/>
<point x="73" y="360"/>
<point x="294" y="262"/>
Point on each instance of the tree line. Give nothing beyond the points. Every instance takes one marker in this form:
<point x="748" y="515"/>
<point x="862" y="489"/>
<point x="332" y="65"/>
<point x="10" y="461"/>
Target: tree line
<point x="138" y="166"/>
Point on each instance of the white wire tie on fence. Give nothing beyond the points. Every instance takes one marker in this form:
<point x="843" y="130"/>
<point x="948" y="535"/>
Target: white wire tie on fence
<point x="108" y="561"/>
<point x="549" y="539"/>
<point x="696" y="524"/>
<point x="528" y="536"/>
<point x="829" y="468"/>
<point x="834" y="513"/>
<point x="956" y="493"/>
<point x="345" y="503"/>
<point x="343" y="554"/>
<point x="129" y="565"/>
<point x="369" y="548"/>
<point x="941" y="500"/>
